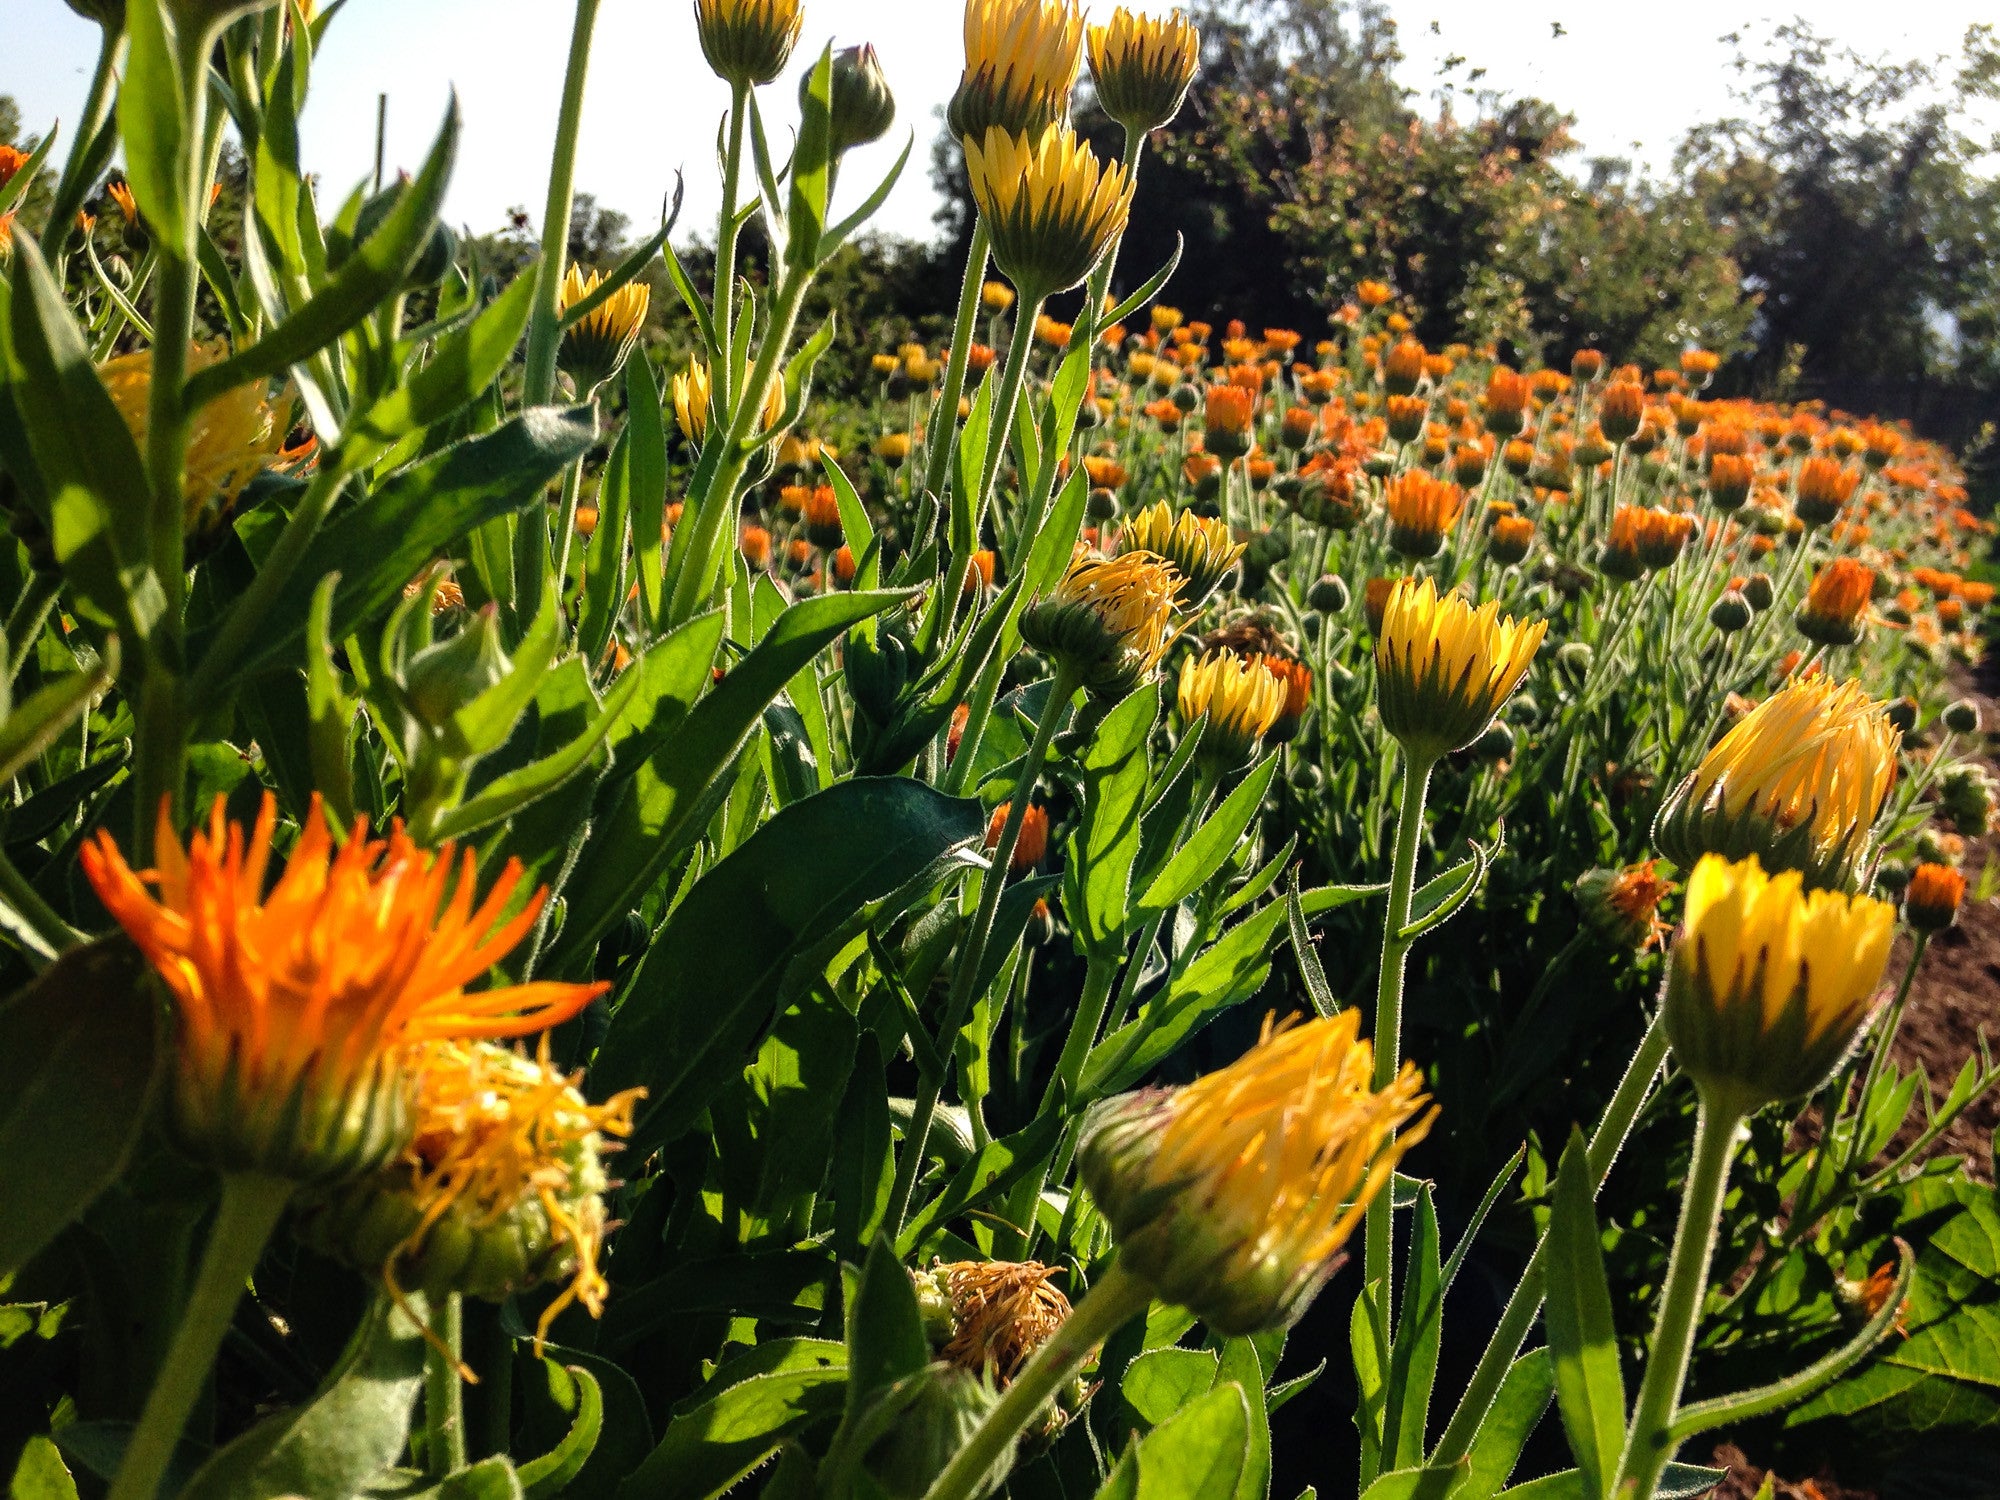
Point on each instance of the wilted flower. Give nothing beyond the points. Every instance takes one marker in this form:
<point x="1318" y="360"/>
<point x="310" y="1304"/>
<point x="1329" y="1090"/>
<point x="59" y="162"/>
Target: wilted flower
<point x="1798" y="783"/>
<point x="1623" y="905"/>
<point x="1108" y="621"/>
<point x="989" y="1317"/>
<point x="1768" y="983"/>
<point x="498" y="1190"/>
<point x="298" y="1009"/>
<point x="1445" y="667"/>
<point x="1233" y="1196"/>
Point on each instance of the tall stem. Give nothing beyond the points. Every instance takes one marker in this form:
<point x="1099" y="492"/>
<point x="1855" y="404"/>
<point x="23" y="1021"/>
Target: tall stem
<point x="1117" y="1298"/>
<point x="1389" y="1001"/>
<point x="78" y="169"/>
<point x="545" y="323"/>
<point x="972" y="955"/>
<point x="1648" y="1447"/>
<point x="444" y="1395"/>
<point x="251" y="1207"/>
<point x="999" y="428"/>
<point x="1525" y="1303"/>
<point x="724" y="293"/>
<point x="944" y="413"/>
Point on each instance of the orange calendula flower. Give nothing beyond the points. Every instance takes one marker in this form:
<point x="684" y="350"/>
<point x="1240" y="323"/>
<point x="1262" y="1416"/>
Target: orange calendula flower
<point x="1030" y="844"/>
<point x="1421" y="510"/>
<point x="1835" y="603"/>
<point x="298" y="1010"/>
<point x="1935" y="892"/>
<point x="1225" y="420"/>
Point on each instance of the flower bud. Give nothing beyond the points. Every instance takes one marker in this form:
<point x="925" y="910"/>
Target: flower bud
<point x="1329" y="596"/>
<point x="1932" y="897"/>
<point x="1760" y="591"/>
<point x="1622" y="906"/>
<point x="1961" y="716"/>
<point x="1731" y="612"/>
<point x="863" y="109"/>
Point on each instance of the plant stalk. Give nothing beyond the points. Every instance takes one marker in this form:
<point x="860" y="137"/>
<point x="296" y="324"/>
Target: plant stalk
<point x="251" y="1207"/>
<point x="444" y="1395"/>
<point x="944" y="412"/>
<point x="545" y="322"/>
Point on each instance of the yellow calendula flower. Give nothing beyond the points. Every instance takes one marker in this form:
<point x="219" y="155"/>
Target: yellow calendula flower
<point x="1798" y="782"/>
<point x="595" y="346"/>
<point x="1200" y="547"/>
<point x="1769" y="983"/>
<point x="499" y="1190"/>
<point x="1021" y="61"/>
<point x="747" y="42"/>
<point x="1142" y="66"/>
<point x="1052" y="208"/>
<point x="1445" y="667"/>
<point x="1234" y="1195"/>
<point x="693" y="395"/>
<point x="298" y="1009"/>
<point x="1240" y="700"/>
<point x="1109" y="621"/>
<point x="231" y="439"/>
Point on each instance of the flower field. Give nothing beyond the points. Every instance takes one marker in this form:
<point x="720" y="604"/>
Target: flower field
<point x="1129" y="907"/>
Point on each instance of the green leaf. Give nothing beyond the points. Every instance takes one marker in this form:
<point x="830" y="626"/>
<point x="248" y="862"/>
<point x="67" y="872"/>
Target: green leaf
<point x="769" y="1285"/>
<point x="812" y="160"/>
<point x="750" y="1406"/>
<point x="653" y="818"/>
<point x="774" y="1129"/>
<point x="348" y="1434"/>
<point x="1590" y="1390"/>
<point x="1201" y="1453"/>
<point x="379" y="544"/>
<point x="1414" y="1356"/>
<point x="1162" y="1382"/>
<point x="150" y="115"/>
<point x="574" y="1390"/>
<point x="710" y="984"/>
<point x="41" y="1473"/>
<point x="991" y="1171"/>
<point x="1310" y="973"/>
<point x="1097" y="879"/>
<point x="374" y="272"/>
<point x="1523" y="1397"/>
<point x="1200" y="856"/>
<point x="490" y="1479"/>
<point x="31" y="727"/>
<point x="1566" y="1485"/>
<point x="79" y="1053"/>
<point x="1413" y="1484"/>
<point x="646" y="439"/>
<point x="863" y="1171"/>
<point x="625" y="1436"/>
<point x="460" y="367"/>
<point x="885" y="1328"/>
<point x="1438" y="900"/>
<point x="97" y="498"/>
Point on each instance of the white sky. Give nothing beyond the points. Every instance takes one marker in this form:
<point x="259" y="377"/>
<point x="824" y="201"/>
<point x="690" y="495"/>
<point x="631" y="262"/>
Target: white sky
<point x="1635" y="78"/>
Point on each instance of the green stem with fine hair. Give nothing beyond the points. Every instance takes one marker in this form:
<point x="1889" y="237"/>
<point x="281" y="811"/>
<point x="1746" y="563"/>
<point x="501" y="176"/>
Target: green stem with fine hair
<point x="444" y="1396"/>
<point x="723" y="293"/>
<point x="251" y="1207"/>
<point x="74" y="184"/>
<point x="999" y="428"/>
<point x="545" y="322"/>
<point x="944" y="412"/>
<point x="1117" y="1298"/>
<point x="1649" y="1445"/>
<point x="972" y="952"/>
<point x="1525" y="1303"/>
<point x="1378" y="1233"/>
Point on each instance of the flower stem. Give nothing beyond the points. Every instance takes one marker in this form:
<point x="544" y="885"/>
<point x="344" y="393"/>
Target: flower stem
<point x="1376" y="1245"/>
<point x="723" y="294"/>
<point x="944" y="413"/>
<point x="444" y="1396"/>
<point x="545" y="322"/>
<point x="251" y="1206"/>
<point x="1511" y="1331"/>
<point x="1649" y="1445"/>
<point x="78" y="169"/>
<point x="1118" y="1297"/>
<point x="972" y="955"/>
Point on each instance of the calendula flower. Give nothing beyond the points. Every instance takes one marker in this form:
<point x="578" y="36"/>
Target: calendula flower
<point x="231" y="440"/>
<point x="1030" y="844"/>
<point x="1822" y="488"/>
<point x="1108" y="621"/>
<point x="1239" y="699"/>
<point x="499" y="1190"/>
<point x="1142" y="66"/>
<point x="1623" y="905"/>
<point x="692" y="392"/>
<point x="1234" y="1195"/>
<point x="1422" y="509"/>
<point x="1297" y="680"/>
<point x="1506" y="401"/>
<point x="1199" y="547"/>
<point x="595" y="346"/>
<point x="1508" y="540"/>
<point x="1021" y="61"/>
<point x="1446" y="668"/>
<point x="1373" y="294"/>
<point x="996" y="296"/>
<point x="1933" y="896"/>
<point x="747" y="42"/>
<point x="1768" y="983"/>
<point x="1226" y="415"/>
<point x="1621" y="410"/>
<point x="1835" y="603"/>
<point x="1798" y="783"/>
<point x="1051" y="207"/>
<point x="298" y="1010"/>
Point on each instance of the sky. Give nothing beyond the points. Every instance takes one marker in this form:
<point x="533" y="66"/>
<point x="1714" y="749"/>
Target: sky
<point x="1635" y="78"/>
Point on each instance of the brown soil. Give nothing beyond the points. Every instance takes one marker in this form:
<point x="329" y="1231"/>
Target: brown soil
<point x="1745" y="1478"/>
<point x="1956" y="994"/>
